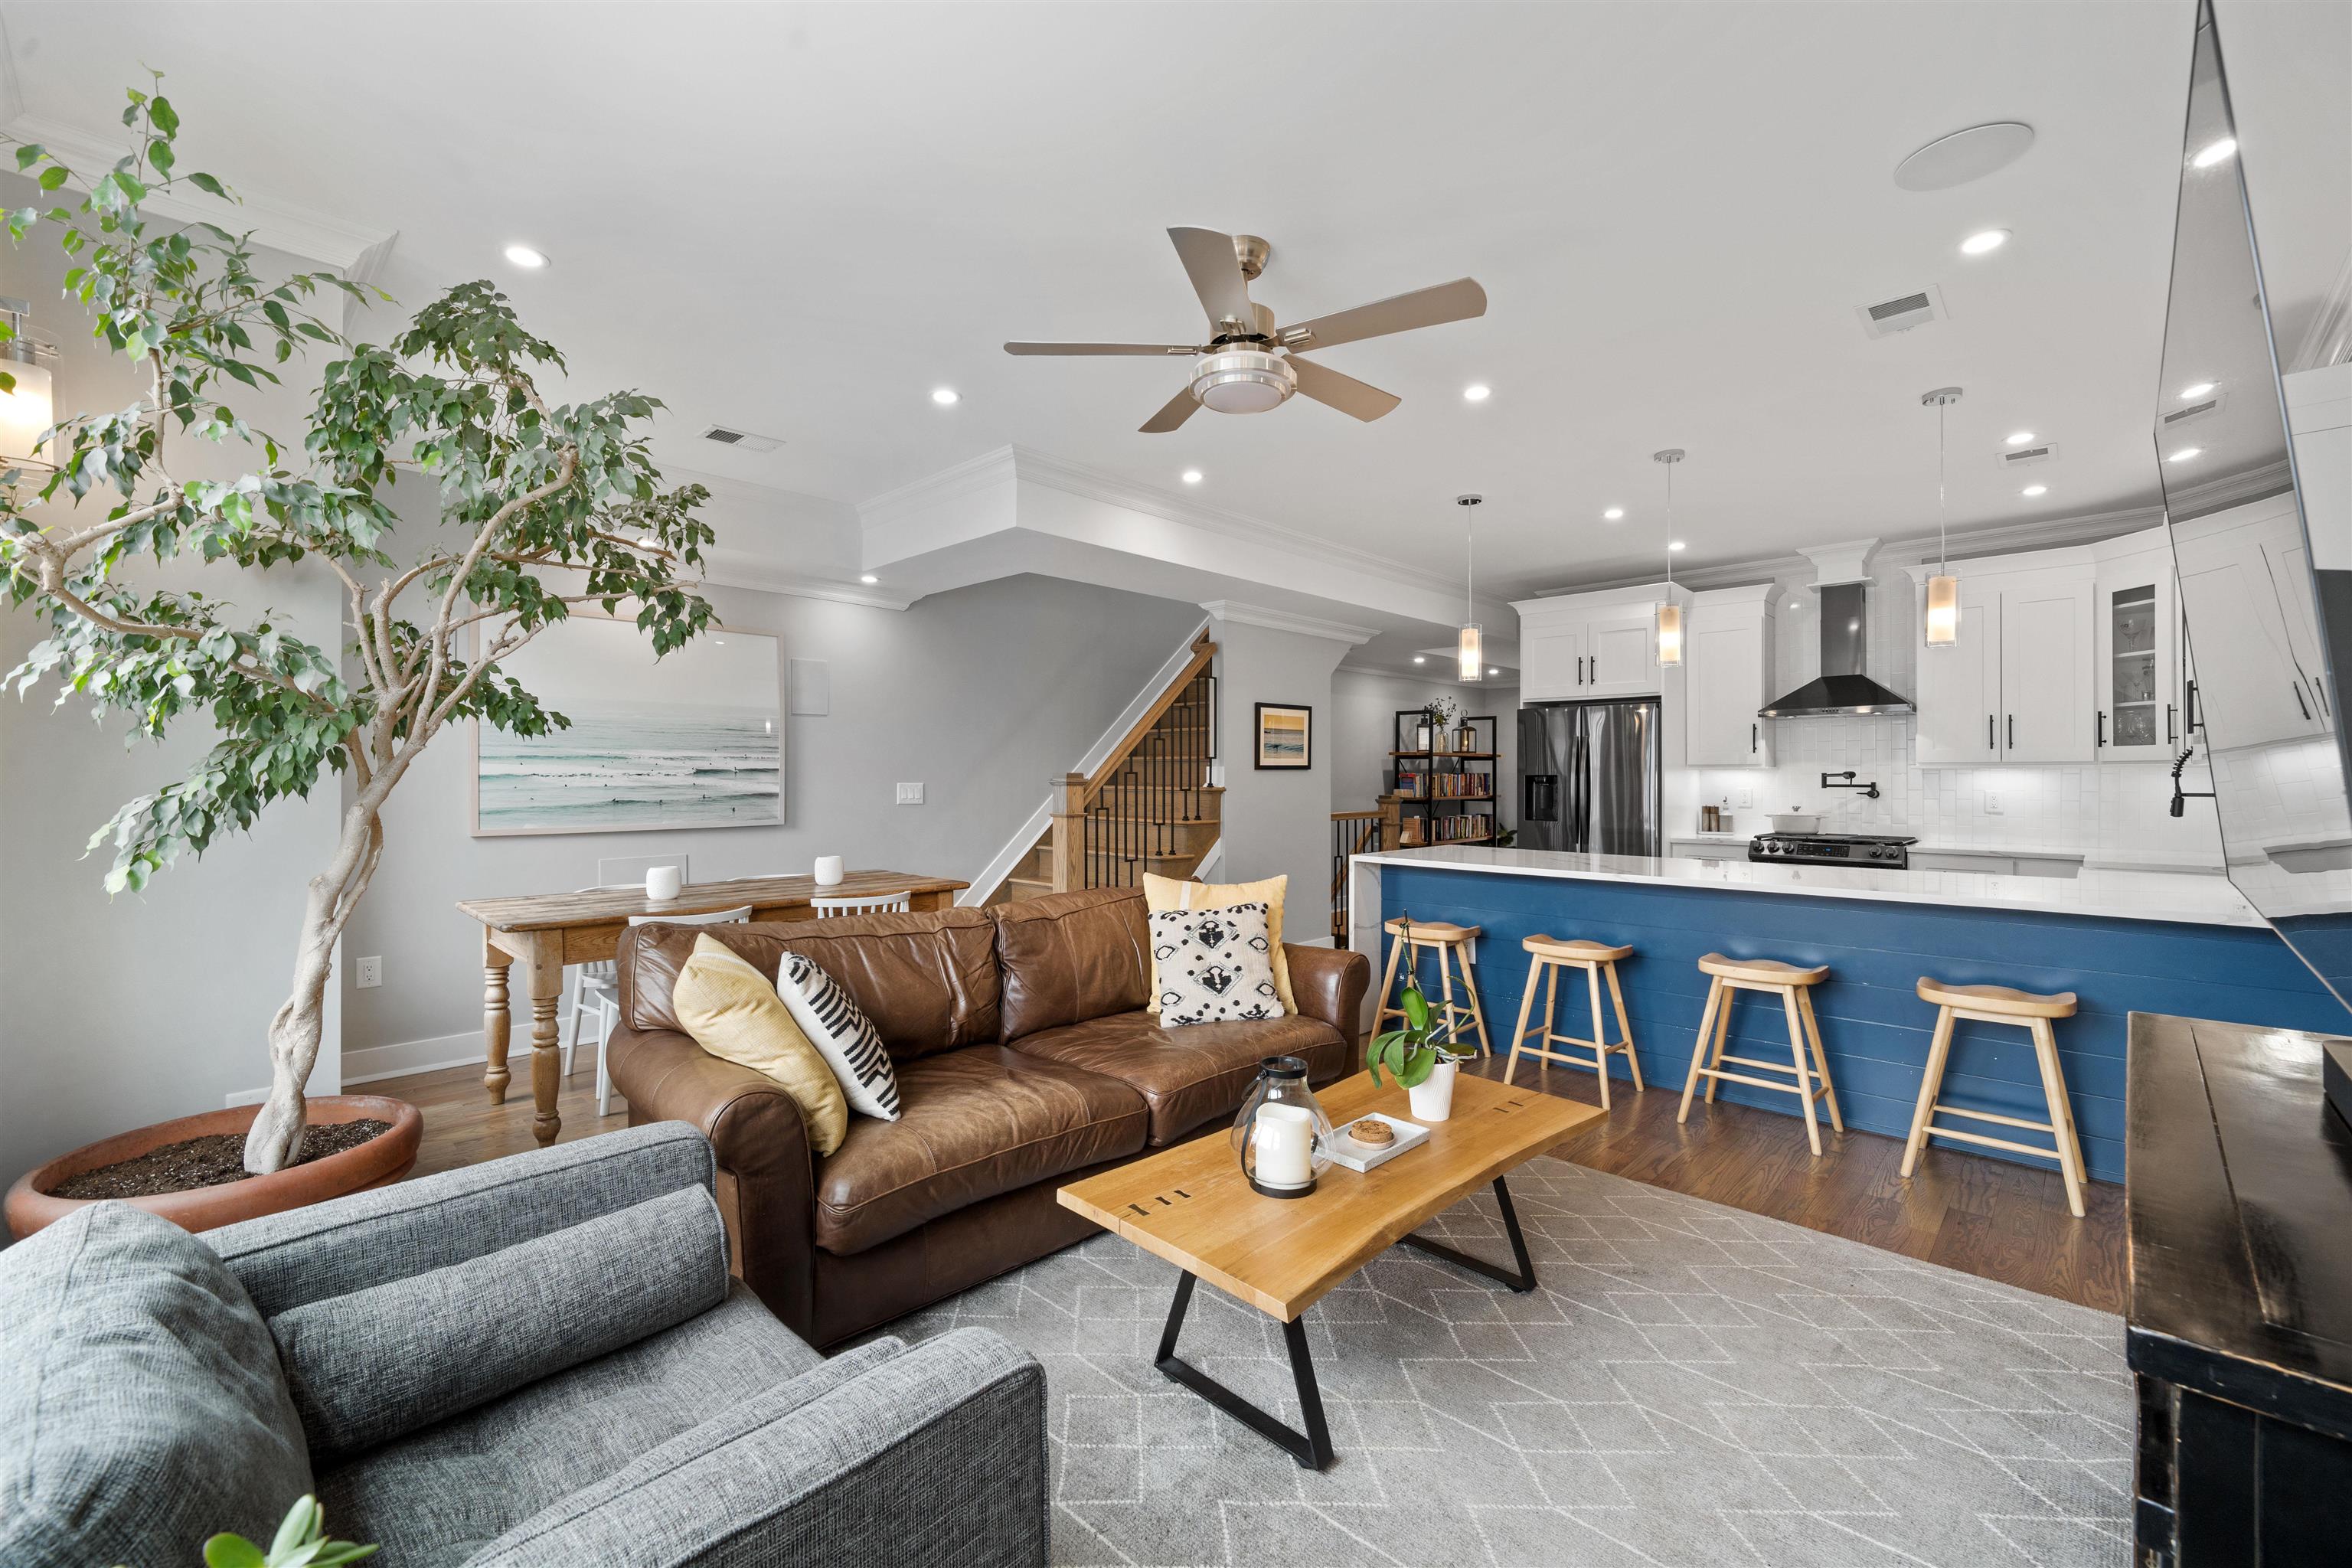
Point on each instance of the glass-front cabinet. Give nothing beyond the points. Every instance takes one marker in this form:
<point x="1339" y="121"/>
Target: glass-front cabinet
<point x="2140" y="716"/>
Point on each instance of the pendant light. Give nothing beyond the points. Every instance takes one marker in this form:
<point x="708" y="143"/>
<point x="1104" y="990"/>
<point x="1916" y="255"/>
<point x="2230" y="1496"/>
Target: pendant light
<point x="1943" y="618"/>
<point x="27" y="412"/>
<point x="1670" y="615"/>
<point x="1470" y="647"/>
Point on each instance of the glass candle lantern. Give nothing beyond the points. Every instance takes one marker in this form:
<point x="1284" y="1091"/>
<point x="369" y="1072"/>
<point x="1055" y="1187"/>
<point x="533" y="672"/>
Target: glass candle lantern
<point x="1282" y="1136"/>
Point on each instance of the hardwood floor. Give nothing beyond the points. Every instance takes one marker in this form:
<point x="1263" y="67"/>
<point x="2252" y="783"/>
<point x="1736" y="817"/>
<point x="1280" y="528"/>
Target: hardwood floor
<point x="1983" y="1217"/>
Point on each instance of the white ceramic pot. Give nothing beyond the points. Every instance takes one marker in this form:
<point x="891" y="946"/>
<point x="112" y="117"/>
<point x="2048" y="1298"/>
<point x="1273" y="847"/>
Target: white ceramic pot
<point x="828" y="871"/>
<point x="1797" y="821"/>
<point x="662" y="884"/>
<point x="1433" y="1097"/>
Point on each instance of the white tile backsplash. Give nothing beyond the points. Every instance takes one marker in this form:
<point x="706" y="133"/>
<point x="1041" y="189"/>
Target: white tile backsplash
<point x="2111" y="812"/>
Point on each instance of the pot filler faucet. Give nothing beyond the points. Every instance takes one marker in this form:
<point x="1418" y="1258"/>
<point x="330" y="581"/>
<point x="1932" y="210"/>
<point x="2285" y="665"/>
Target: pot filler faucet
<point x="1869" y="787"/>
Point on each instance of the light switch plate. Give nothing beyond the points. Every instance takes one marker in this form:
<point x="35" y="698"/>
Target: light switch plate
<point x="370" y="972"/>
<point x="910" y="794"/>
<point x="1748" y="800"/>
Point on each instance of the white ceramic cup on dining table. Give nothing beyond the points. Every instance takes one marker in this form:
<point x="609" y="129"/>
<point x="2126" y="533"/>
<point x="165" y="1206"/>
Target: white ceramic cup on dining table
<point x="828" y="870"/>
<point x="662" y="883"/>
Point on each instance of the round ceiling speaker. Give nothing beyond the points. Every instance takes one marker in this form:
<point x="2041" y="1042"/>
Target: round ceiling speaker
<point x="1964" y="155"/>
<point x="1242" y="381"/>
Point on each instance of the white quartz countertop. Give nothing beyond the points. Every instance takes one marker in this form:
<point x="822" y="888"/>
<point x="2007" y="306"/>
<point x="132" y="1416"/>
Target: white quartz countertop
<point x="2186" y="897"/>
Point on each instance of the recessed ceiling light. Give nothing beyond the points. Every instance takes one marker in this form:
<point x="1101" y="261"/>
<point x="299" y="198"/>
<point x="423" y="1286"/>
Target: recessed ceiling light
<point x="2020" y="437"/>
<point x="1613" y="513"/>
<point x="524" y="255"/>
<point x="648" y="543"/>
<point x="1476" y="391"/>
<point x="943" y="395"/>
<point x="2034" y="490"/>
<point x="2183" y="455"/>
<point x="1493" y="669"/>
<point x="1417" y="659"/>
<point x="1677" y="544"/>
<point x="2213" y="152"/>
<point x="868" y="578"/>
<point x="1192" y="476"/>
<point x="1983" y="243"/>
<point x="2194" y="391"/>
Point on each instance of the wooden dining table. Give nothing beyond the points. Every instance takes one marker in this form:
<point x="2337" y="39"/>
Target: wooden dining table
<point x="546" y="931"/>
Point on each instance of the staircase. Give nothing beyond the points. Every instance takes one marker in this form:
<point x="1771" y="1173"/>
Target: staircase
<point x="1149" y="807"/>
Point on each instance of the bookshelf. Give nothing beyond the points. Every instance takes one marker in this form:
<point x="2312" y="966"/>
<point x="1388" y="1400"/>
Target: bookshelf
<point x="1445" y="796"/>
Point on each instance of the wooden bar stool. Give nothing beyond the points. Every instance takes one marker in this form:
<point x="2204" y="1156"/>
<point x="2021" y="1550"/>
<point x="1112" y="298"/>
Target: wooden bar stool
<point x="1448" y="940"/>
<point x="2021" y="1009"/>
<point x="1794" y="988"/>
<point x="1548" y="956"/>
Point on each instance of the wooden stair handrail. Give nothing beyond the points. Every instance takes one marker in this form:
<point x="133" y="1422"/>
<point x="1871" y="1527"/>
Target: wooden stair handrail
<point x="1203" y="652"/>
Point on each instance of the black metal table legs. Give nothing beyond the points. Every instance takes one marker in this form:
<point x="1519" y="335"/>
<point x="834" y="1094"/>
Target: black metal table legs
<point x="1312" y="1448"/>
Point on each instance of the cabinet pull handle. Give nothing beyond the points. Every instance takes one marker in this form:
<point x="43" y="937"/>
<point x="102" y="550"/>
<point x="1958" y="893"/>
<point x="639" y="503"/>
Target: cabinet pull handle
<point x="2299" y="703"/>
<point x="2171" y="736"/>
<point x="2102" y="727"/>
<point x="2012" y="732"/>
<point x="1579" y="669"/>
<point x="1989" y="740"/>
<point x="1596" y="670"/>
<point x="1751" y="738"/>
<point x="2319" y="695"/>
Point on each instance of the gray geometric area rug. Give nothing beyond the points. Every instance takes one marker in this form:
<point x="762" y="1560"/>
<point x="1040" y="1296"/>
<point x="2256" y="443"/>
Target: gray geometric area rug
<point x="1689" y="1386"/>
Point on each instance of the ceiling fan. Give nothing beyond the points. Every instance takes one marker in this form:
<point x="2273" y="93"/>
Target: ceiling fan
<point x="1249" y="365"/>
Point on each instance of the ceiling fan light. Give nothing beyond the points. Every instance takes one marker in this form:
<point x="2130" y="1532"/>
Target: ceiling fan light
<point x="1242" y="381"/>
<point x="1470" y="654"/>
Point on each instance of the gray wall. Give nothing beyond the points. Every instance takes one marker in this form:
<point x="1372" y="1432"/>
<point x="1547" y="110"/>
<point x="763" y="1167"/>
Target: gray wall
<point x="983" y="695"/>
<point x="1364" y="704"/>
<point x="119" y="1012"/>
<point x="1277" y="822"/>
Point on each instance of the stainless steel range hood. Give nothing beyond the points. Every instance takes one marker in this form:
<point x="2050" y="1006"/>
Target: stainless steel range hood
<point x="1842" y="687"/>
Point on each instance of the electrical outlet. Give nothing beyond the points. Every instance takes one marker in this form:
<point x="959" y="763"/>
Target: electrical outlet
<point x="370" y="972"/>
<point x="1748" y="800"/>
<point x="910" y="794"/>
<point x="1992" y="804"/>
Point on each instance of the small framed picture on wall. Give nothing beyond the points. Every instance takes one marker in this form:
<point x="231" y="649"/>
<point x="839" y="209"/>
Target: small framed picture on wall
<point x="1286" y="736"/>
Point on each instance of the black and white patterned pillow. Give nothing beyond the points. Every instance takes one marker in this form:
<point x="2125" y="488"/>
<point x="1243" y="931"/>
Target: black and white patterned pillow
<point x="1214" y="967"/>
<point x="842" y="1034"/>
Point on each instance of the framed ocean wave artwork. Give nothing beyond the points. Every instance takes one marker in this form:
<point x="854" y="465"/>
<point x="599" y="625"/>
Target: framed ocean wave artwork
<point x="695" y="739"/>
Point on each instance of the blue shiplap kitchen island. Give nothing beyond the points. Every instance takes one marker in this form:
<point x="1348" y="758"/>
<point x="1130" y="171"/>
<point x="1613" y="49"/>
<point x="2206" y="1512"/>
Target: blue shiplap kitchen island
<point x="2124" y="941"/>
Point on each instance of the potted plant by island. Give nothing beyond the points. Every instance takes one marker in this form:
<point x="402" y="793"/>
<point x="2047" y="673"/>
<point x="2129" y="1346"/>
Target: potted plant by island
<point x="540" y="506"/>
<point x="1423" y="1065"/>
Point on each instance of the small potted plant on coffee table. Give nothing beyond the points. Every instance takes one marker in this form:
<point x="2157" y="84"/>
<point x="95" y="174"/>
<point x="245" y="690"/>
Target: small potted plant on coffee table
<point x="1423" y="1064"/>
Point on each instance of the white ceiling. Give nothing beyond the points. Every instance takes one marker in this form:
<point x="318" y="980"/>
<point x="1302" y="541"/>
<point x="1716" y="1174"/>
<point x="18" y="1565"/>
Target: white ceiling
<point x="800" y="219"/>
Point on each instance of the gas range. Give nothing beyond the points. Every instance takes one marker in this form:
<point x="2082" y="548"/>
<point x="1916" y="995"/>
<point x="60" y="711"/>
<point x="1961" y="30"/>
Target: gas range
<point x="1886" y="852"/>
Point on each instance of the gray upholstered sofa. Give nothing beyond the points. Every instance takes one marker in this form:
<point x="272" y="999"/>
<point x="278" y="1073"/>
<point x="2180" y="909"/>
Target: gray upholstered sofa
<point x="539" y="1359"/>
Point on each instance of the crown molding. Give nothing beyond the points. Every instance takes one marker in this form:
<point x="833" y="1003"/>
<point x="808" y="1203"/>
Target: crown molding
<point x="358" y="252"/>
<point x="2001" y="539"/>
<point x="2231" y="489"/>
<point x="741" y="569"/>
<point x="989" y="468"/>
<point x="1276" y="620"/>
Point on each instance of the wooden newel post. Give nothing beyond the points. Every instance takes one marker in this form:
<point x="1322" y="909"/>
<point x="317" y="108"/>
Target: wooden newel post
<point x="1392" y="822"/>
<point x="1069" y="832"/>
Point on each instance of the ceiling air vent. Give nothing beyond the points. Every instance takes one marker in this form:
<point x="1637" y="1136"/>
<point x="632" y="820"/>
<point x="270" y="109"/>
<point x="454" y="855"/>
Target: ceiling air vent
<point x="2028" y="457"/>
<point x="2197" y="410"/>
<point x="742" y="440"/>
<point x="1902" y="314"/>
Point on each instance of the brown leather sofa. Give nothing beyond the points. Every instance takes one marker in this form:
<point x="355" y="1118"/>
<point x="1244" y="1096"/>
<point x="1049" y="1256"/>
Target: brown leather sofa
<point x="1025" y="1060"/>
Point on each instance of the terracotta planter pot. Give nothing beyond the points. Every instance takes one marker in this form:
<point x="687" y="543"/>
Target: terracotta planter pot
<point x="385" y="1158"/>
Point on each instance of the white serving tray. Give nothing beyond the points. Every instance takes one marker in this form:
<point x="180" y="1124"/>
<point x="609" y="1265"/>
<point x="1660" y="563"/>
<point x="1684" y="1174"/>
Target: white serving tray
<point x="1355" y="1157"/>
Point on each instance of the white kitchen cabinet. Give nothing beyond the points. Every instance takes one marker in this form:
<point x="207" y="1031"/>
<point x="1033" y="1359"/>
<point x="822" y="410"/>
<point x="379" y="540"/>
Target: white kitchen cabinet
<point x="2138" y="702"/>
<point x="2017" y="687"/>
<point x="1728" y="675"/>
<point x="2260" y="679"/>
<point x="1574" y="647"/>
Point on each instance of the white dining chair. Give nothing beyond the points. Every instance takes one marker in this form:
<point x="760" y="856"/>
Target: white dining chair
<point x="878" y="904"/>
<point x="601" y="994"/>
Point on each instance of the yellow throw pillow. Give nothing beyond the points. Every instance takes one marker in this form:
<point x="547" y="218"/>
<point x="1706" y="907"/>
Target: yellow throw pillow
<point x="733" y="1011"/>
<point x="1161" y="894"/>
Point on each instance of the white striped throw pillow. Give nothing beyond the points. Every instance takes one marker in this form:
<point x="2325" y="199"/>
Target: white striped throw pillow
<point x="843" y="1035"/>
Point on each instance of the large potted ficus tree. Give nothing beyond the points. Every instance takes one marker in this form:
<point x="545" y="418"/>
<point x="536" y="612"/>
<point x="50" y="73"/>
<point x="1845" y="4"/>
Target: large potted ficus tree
<point x="535" y="507"/>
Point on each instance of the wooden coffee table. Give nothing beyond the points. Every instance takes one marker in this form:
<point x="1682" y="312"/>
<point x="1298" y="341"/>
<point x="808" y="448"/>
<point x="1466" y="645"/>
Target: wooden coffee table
<point x="1191" y="1205"/>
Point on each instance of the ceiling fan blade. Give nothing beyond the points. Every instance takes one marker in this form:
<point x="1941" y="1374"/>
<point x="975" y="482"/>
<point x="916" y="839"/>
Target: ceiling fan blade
<point x="1455" y="302"/>
<point x="1344" y="393"/>
<point x="1216" y="274"/>
<point x="1161" y="349"/>
<point x="1175" y="412"/>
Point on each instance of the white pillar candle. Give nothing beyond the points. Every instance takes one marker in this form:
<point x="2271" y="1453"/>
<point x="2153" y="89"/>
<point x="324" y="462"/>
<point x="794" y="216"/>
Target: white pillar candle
<point x="662" y="883"/>
<point x="1286" y="1144"/>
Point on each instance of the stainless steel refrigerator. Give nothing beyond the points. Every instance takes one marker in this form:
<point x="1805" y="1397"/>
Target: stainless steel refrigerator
<point x="1588" y="777"/>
